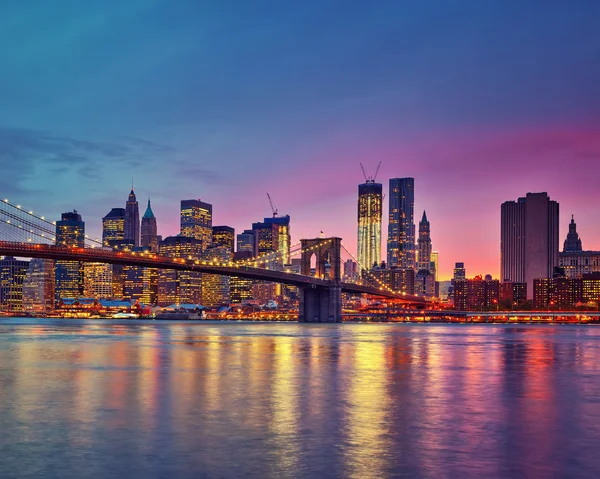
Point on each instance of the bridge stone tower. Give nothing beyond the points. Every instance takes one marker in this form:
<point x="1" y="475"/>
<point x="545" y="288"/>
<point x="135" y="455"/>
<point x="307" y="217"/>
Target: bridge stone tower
<point x="321" y="304"/>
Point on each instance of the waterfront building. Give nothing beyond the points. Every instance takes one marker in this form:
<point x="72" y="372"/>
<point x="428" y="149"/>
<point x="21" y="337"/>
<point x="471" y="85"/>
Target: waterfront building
<point x="98" y="280"/>
<point x="70" y="231"/>
<point x="476" y="294"/>
<point x="177" y="287"/>
<point x="38" y="287"/>
<point x="223" y="236"/>
<point x="529" y="239"/>
<point x="513" y="294"/>
<point x="401" y="227"/>
<point x="196" y="221"/>
<point x="113" y="228"/>
<point x="132" y="220"/>
<point x="215" y="287"/>
<point x="149" y="230"/>
<point x="557" y="293"/>
<point x="12" y="275"/>
<point x="424" y="263"/>
<point x="370" y="200"/>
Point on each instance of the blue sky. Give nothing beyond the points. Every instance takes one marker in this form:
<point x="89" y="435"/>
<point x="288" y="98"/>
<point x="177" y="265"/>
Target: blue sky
<point x="479" y="101"/>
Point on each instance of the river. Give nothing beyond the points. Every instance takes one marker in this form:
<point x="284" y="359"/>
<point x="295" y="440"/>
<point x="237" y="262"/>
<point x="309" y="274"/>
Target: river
<point x="129" y="399"/>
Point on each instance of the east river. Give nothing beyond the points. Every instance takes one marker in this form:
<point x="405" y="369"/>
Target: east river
<point x="131" y="399"/>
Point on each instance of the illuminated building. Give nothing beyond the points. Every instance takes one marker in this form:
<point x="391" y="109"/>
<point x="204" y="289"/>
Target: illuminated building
<point x="224" y="236"/>
<point x="196" y="221"/>
<point x="573" y="259"/>
<point x="176" y="287"/>
<point x="240" y="288"/>
<point x="399" y="280"/>
<point x="401" y="229"/>
<point x="149" y="230"/>
<point x="513" y="294"/>
<point x="283" y="236"/>
<point x="591" y="288"/>
<point x="476" y="294"/>
<point x="98" y="280"/>
<point x="113" y="228"/>
<point x="350" y="271"/>
<point x="369" y="224"/>
<point x="424" y="263"/>
<point x="557" y="293"/>
<point x="267" y="241"/>
<point x="435" y="259"/>
<point x="70" y="231"/>
<point x="425" y="283"/>
<point x="38" y="286"/>
<point x="247" y="241"/>
<point x="132" y="220"/>
<point x="529" y="239"/>
<point x="12" y="275"/>
<point x="215" y="287"/>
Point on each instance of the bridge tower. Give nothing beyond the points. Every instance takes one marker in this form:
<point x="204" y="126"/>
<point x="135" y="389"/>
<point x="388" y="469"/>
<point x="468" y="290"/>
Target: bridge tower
<point x="321" y="304"/>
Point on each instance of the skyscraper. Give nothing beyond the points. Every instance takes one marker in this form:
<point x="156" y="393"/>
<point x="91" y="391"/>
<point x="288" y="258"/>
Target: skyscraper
<point x="424" y="244"/>
<point x="12" y="275"/>
<point x="113" y="228"/>
<point x="132" y="220"/>
<point x="196" y="221"/>
<point x="38" y="286"/>
<point x="149" y="230"/>
<point x="369" y="224"/>
<point x="283" y="233"/>
<point x="247" y="242"/>
<point x="224" y="236"/>
<point x="179" y="286"/>
<point x="401" y="229"/>
<point x="70" y="231"/>
<point x="528" y="239"/>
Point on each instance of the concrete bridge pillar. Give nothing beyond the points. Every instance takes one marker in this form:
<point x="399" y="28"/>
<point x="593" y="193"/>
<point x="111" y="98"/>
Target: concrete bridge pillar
<point x="319" y="304"/>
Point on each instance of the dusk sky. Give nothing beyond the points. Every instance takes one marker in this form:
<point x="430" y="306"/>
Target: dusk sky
<point x="479" y="101"/>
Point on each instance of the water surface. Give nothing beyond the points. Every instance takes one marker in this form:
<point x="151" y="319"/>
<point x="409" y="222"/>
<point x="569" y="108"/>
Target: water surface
<point x="101" y="399"/>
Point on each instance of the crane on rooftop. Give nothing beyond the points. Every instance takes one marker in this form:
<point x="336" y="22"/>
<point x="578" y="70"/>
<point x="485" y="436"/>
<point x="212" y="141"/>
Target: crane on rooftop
<point x="273" y="208"/>
<point x="370" y="179"/>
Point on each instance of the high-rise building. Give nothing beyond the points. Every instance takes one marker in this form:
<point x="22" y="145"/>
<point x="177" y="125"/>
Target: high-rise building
<point x="113" y="228"/>
<point x="283" y="236"/>
<point x="267" y="242"/>
<point x="247" y="242"/>
<point x="98" y="280"/>
<point x="196" y="221"/>
<point x="132" y="220"/>
<point x="476" y="294"/>
<point x="223" y="236"/>
<point x="435" y="259"/>
<point x="215" y="287"/>
<point x="38" y="287"/>
<point x="424" y="245"/>
<point x="70" y="231"/>
<point x="240" y="288"/>
<point x="529" y="239"/>
<point x="12" y="275"/>
<point x="369" y="224"/>
<point x="149" y="230"/>
<point x="180" y="287"/>
<point x="401" y="229"/>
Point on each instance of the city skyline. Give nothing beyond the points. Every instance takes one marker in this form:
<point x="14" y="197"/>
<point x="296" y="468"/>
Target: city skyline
<point x="455" y="111"/>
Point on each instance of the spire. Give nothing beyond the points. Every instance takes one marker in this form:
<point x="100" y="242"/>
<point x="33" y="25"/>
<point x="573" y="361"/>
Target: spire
<point x="424" y="219"/>
<point x="149" y="213"/>
<point x="573" y="242"/>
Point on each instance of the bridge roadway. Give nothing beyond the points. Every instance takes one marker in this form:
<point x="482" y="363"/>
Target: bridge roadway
<point x="152" y="260"/>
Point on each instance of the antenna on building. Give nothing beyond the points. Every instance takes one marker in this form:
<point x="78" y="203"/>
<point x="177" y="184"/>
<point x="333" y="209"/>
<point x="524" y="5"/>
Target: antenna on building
<point x="370" y="179"/>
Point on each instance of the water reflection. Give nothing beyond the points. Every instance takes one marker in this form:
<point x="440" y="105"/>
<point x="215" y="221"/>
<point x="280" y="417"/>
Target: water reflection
<point x="285" y="400"/>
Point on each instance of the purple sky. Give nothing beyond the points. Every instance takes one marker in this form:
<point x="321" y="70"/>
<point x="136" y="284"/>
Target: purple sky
<point x="480" y="102"/>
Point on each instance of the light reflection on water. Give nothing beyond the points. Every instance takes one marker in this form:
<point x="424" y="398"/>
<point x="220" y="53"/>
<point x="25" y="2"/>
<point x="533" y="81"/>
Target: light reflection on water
<point x="138" y="399"/>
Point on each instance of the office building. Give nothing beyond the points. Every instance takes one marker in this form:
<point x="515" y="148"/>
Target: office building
<point x="240" y="288"/>
<point x="98" y="280"/>
<point x="113" y="228"/>
<point x="223" y="236"/>
<point x="369" y="224"/>
<point x="247" y="242"/>
<point x="38" y="287"/>
<point x="424" y="263"/>
<point x="215" y="287"/>
<point x="149" y="230"/>
<point x="70" y="231"/>
<point x="424" y="283"/>
<point x="177" y="287"/>
<point x="196" y="221"/>
<point x="12" y="275"/>
<point x="476" y="294"/>
<point x="132" y="220"/>
<point x="283" y="236"/>
<point x="401" y="228"/>
<point x="529" y="239"/>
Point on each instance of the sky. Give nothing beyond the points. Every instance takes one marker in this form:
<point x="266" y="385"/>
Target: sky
<point x="481" y="102"/>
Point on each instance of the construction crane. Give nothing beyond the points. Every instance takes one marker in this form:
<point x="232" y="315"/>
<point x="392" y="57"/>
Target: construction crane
<point x="370" y="179"/>
<point x="273" y="208"/>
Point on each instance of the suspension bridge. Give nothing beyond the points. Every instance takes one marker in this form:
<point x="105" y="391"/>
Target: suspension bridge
<point x="26" y="234"/>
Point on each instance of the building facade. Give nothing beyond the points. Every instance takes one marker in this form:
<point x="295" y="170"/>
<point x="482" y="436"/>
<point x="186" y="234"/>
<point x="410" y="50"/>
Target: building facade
<point x="370" y="199"/>
<point x="70" y="231"/>
<point x="401" y="228"/>
<point x="149" y="230"/>
<point x="132" y="220"/>
<point x="38" y="287"/>
<point x="180" y="287"/>
<point x="113" y="228"/>
<point x="529" y="239"/>
<point x="12" y="276"/>
<point x="476" y="294"/>
<point x="196" y="221"/>
<point x="425" y="250"/>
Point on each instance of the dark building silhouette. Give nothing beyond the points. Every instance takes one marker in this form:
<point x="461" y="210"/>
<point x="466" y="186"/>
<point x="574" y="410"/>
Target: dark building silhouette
<point x="401" y="227"/>
<point x="149" y="229"/>
<point x="424" y="262"/>
<point x="132" y="220"/>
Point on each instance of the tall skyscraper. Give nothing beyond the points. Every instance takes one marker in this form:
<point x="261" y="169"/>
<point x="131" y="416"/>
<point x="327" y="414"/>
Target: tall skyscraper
<point x="149" y="230"/>
<point x="12" y="275"/>
<point x="38" y="286"/>
<point x="224" y="236"/>
<point x="70" y="231"/>
<point x="529" y="239"/>
<point x="196" y="221"/>
<point x="401" y="228"/>
<point x="369" y="224"/>
<point x="113" y="228"/>
<point x="283" y="233"/>
<point x="132" y="220"/>
<point x="424" y="244"/>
